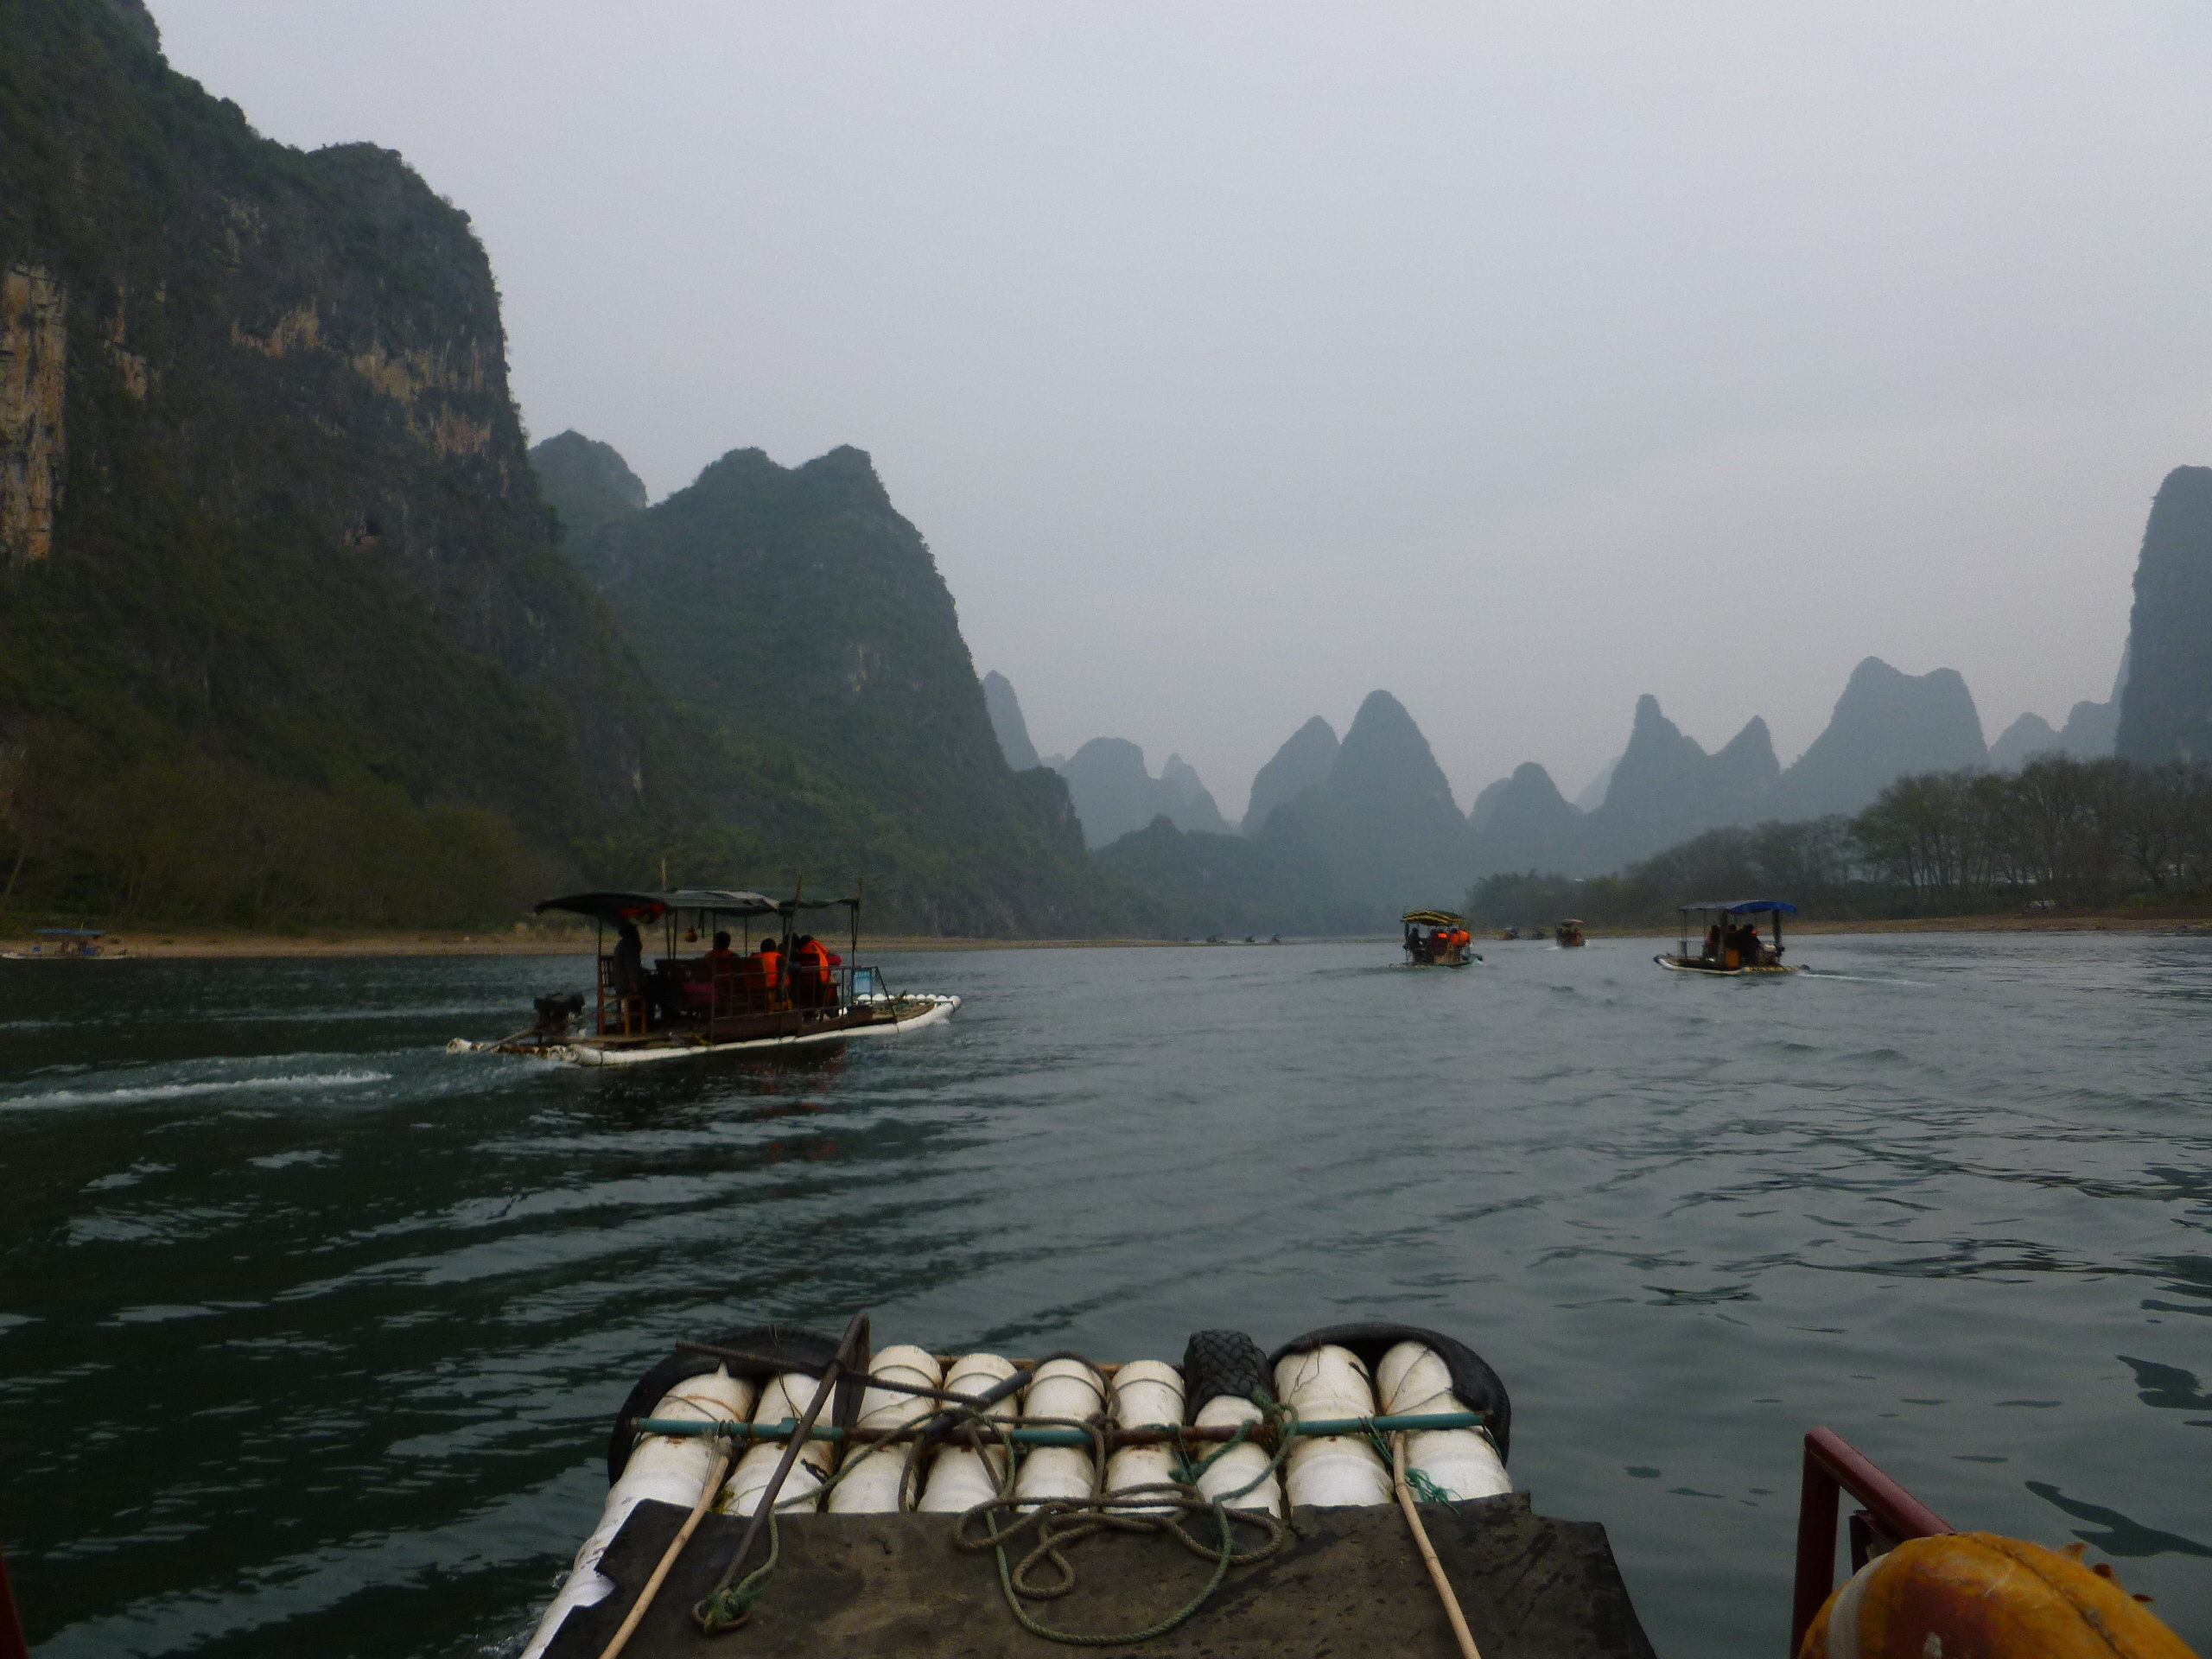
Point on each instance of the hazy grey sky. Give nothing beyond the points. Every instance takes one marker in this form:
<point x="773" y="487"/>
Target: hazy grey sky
<point x="1238" y="358"/>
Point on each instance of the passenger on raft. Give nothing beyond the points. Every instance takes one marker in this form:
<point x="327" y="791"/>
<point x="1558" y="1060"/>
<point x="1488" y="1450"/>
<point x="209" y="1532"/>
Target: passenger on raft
<point x="626" y="972"/>
<point x="764" y="973"/>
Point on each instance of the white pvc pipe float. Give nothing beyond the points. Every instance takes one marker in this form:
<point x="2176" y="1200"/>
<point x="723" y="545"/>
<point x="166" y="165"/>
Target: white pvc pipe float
<point x="785" y="1400"/>
<point x="874" y="1480"/>
<point x="1461" y="1462"/>
<point x="1330" y="1470"/>
<point x="960" y="1476"/>
<point x="1065" y="1389"/>
<point x="670" y="1467"/>
<point x="1147" y="1394"/>
<point x="1237" y="1465"/>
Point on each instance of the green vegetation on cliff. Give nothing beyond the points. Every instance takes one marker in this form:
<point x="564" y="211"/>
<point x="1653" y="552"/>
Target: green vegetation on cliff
<point x="802" y="625"/>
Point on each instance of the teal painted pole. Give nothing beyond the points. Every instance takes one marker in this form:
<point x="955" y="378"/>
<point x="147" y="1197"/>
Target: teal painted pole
<point x="683" y="1427"/>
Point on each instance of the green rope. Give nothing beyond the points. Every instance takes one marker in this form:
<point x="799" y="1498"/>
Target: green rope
<point x="727" y="1608"/>
<point x="1061" y="1523"/>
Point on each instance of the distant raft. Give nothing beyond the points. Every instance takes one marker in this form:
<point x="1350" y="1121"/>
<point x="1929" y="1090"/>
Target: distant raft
<point x="1729" y="945"/>
<point x="823" y="1494"/>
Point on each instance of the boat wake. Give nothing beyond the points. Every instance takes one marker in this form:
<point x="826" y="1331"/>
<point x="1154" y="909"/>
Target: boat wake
<point x="299" y="1084"/>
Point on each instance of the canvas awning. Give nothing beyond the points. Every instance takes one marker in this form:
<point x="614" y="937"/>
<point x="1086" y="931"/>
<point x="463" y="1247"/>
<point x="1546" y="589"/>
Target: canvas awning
<point x="611" y="908"/>
<point x="1745" y="906"/>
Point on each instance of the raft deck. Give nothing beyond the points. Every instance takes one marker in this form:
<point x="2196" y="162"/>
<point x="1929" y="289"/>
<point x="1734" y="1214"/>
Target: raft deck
<point x="894" y="1586"/>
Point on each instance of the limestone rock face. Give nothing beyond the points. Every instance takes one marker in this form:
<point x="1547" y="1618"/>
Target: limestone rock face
<point x="34" y="374"/>
<point x="2165" y="711"/>
<point x="1383" y="820"/>
<point x="588" y="483"/>
<point x="2092" y="729"/>
<point x="1005" y="709"/>
<point x="1665" y="788"/>
<point x="1302" y="763"/>
<point x="1195" y="807"/>
<point x="1886" y="724"/>
<point x="1531" y="826"/>
<point x="2025" y="738"/>
<point x="802" y="618"/>
<point x="1113" y="794"/>
<point x="259" y="466"/>
<point x="1485" y="804"/>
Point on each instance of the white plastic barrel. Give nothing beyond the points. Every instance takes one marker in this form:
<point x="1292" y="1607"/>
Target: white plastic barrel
<point x="1065" y="1389"/>
<point x="785" y="1400"/>
<point x="1239" y="1465"/>
<point x="1461" y="1462"/>
<point x="1147" y="1394"/>
<point x="1337" y="1470"/>
<point x="871" y="1486"/>
<point x="671" y="1468"/>
<point x="961" y="1476"/>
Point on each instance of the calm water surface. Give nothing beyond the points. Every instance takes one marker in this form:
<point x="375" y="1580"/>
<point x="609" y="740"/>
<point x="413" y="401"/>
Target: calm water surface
<point x="309" y="1332"/>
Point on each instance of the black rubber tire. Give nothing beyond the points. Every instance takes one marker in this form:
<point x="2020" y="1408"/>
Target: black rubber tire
<point x="808" y="1350"/>
<point x="1216" y="1363"/>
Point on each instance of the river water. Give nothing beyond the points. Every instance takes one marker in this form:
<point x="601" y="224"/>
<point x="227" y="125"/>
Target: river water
<point x="309" y="1332"/>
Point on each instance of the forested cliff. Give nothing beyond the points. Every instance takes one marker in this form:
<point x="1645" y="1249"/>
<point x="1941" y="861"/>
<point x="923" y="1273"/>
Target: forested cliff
<point x="801" y="624"/>
<point x="287" y="629"/>
<point x="282" y="626"/>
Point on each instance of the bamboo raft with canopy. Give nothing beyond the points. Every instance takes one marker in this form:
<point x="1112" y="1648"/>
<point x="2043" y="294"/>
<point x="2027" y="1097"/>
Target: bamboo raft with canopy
<point x="1445" y="943"/>
<point x="1724" y="946"/>
<point x="792" y="992"/>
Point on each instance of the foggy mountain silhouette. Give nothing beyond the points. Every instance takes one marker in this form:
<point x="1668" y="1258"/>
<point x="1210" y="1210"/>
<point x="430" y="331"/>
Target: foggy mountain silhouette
<point x="1115" y="794"/>
<point x="1887" y="725"/>
<point x="1004" y="710"/>
<point x="587" y="483"/>
<point x="2165" y="711"/>
<point x="1301" y="763"/>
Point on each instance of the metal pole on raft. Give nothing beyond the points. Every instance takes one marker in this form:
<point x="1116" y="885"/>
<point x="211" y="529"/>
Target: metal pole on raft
<point x="1833" y="1466"/>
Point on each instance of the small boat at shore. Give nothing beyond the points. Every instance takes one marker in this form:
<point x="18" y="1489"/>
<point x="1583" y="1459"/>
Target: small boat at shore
<point x="791" y="992"/>
<point x="66" y="945"/>
<point x="1437" y="939"/>
<point x="1730" y="943"/>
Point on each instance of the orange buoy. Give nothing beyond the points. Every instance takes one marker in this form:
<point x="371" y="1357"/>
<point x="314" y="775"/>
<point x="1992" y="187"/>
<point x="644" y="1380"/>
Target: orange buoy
<point x="1973" y="1595"/>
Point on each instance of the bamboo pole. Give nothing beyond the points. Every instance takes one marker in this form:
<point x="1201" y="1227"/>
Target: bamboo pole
<point x="1460" y="1633"/>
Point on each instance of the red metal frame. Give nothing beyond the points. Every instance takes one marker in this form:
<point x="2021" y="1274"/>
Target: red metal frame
<point x="1833" y="1466"/>
<point x="12" y="1645"/>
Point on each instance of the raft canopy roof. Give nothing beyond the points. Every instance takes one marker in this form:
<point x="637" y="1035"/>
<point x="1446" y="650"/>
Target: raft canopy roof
<point x="71" y="932"/>
<point x="1432" y="919"/>
<point x="611" y="908"/>
<point x="1745" y="906"/>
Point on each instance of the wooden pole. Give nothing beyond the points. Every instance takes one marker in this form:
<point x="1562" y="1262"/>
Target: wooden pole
<point x="638" y="1608"/>
<point x="1460" y="1633"/>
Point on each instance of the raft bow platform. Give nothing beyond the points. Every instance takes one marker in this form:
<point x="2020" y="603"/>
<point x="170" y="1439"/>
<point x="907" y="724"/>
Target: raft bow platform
<point x="1019" y="1507"/>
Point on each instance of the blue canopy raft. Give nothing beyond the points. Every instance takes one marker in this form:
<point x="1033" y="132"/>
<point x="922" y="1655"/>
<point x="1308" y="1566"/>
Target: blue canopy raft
<point x="67" y="944"/>
<point x="791" y="991"/>
<point x="1728" y="946"/>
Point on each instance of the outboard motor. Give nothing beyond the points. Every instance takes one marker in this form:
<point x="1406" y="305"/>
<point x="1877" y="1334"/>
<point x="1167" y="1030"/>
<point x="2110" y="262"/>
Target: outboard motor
<point x="555" y="1011"/>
